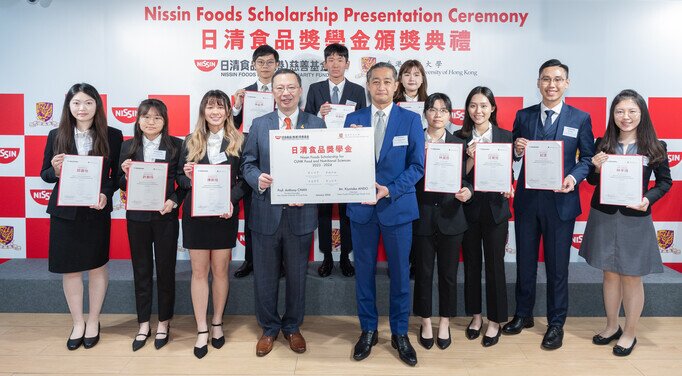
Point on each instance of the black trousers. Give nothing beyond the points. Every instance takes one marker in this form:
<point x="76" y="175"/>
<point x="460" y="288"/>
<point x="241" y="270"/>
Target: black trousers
<point x="154" y="242"/>
<point x="493" y="237"/>
<point x="324" y="229"/>
<point x="426" y="250"/>
<point x="248" y="247"/>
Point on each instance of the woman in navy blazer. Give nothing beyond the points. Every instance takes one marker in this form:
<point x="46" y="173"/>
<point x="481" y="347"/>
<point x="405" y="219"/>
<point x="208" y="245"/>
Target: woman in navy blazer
<point x="153" y="235"/>
<point x="79" y="236"/>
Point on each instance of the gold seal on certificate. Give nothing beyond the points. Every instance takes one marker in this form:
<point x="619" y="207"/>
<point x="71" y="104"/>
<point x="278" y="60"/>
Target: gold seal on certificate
<point x="210" y="190"/>
<point x="256" y="104"/>
<point x="146" y="188"/>
<point x="544" y="165"/>
<point x="315" y="166"/>
<point x="493" y="167"/>
<point x="337" y="116"/>
<point x="443" y="167"/>
<point x="80" y="182"/>
<point x="621" y="180"/>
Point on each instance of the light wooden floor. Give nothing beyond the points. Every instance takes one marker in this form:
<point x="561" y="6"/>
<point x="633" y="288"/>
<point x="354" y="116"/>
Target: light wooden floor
<point x="35" y="344"/>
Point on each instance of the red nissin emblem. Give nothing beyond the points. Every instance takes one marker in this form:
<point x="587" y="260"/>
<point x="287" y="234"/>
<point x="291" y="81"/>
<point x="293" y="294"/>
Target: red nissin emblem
<point x="674" y="158"/>
<point x="577" y="240"/>
<point x="242" y="238"/>
<point x="206" y="65"/>
<point x="6" y="235"/>
<point x="8" y="155"/>
<point x="125" y="115"/>
<point x="457" y="117"/>
<point x="41" y="196"/>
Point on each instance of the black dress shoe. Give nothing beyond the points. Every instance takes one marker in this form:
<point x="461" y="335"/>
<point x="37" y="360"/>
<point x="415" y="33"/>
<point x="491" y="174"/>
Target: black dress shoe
<point x="347" y="268"/>
<point x="218" y="342"/>
<point x="492" y="341"/>
<point x="553" y="338"/>
<point x="73" y="344"/>
<point x="161" y="342"/>
<point x="518" y="324"/>
<point x="138" y="344"/>
<point x="599" y="340"/>
<point x="622" y="351"/>
<point x="472" y="333"/>
<point x="201" y="352"/>
<point x="325" y="269"/>
<point x="444" y="343"/>
<point x="90" y="342"/>
<point x="244" y="270"/>
<point x="426" y="343"/>
<point x="406" y="352"/>
<point x="364" y="345"/>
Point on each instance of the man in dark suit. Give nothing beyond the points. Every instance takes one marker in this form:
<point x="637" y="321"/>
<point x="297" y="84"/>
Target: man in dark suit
<point x="336" y="90"/>
<point x="281" y="233"/>
<point x="550" y="214"/>
<point x="265" y="59"/>
<point x="399" y="152"/>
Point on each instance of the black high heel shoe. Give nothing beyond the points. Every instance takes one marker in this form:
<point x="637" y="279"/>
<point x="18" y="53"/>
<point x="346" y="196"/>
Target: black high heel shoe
<point x="161" y="342"/>
<point x="599" y="340"/>
<point x="472" y="334"/>
<point x="622" y="351"/>
<point x="201" y="352"/>
<point x="137" y="344"/>
<point x="427" y="343"/>
<point x="90" y="342"/>
<point x="444" y="343"/>
<point x="491" y="341"/>
<point x="218" y="342"/>
<point x="73" y="344"/>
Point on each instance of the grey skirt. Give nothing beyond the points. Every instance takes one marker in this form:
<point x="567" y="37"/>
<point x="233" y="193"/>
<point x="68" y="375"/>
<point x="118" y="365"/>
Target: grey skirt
<point x="621" y="244"/>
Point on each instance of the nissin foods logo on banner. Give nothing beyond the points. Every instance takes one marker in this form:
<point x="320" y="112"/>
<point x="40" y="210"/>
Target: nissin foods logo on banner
<point x="206" y="65"/>
<point x="577" y="240"/>
<point x="674" y="158"/>
<point x="8" y="155"/>
<point x="41" y="196"/>
<point x="125" y="115"/>
<point x="457" y="117"/>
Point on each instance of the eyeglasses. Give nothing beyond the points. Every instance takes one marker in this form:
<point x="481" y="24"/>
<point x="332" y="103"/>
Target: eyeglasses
<point x="263" y="63"/>
<point x="442" y="111"/>
<point x="631" y="113"/>
<point x="150" y="118"/>
<point x="282" y="89"/>
<point x="556" y="80"/>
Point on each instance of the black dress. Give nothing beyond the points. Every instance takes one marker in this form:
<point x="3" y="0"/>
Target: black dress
<point x="79" y="236"/>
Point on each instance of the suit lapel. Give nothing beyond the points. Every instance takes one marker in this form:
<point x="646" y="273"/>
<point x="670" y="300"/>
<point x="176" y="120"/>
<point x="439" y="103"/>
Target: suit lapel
<point x="496" y="134"/>
<point x="391" y="129"/>
<point x="325" y="92"/>
<point x="564" y="114"/>
<point x="302" y="118"/>
<point x="139" y="154"/>
<point x="346" y="91"/>
<point x="535" y="123"/>
<point x="274" y="122"/>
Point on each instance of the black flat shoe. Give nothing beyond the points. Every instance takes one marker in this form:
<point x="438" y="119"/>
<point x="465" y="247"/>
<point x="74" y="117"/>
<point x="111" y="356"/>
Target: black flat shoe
<point x="90" y="342"/>
<point x="73" y="344"/>
<point x="472" y="333"/>
<point x="138" y="344"/>
<point x="622" y="351"/>
<point x="599" y="340"/>
<point x="326" y="267"/>
<point x="201" y="352"/>
<point x="444" y="343"/>
<point x="426" y="343"/>
<point x="347" y="268"/>
<point x="244" y="270"/>
<point x="492" y="341"/>
<point x="406" y="352"/>
<point x="518" y="324"/>
<point x="161" y="342"/>
<point x="364" y="345"/>
<point x="218" y="342"/>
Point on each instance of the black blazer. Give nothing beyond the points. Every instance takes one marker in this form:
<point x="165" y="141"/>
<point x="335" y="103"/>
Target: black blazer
<point x="663" y="184"/>
<point x="172" y="193"/>
<point x="318" y="94"/>
<point x="499" y="205"/>
<point x="109" y="171"/>
<point x="441" y="209"/>
<point x="239" y="118"/>
<point x="237" y="182"/>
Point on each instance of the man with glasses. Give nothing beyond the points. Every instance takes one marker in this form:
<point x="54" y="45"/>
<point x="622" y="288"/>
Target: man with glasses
<point x="545" y="213"/>
<point x="280" y="233"/>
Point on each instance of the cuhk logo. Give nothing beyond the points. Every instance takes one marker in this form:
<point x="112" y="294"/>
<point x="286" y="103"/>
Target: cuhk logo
<point x="577" y="240"/>
<point x="41" y="196"/>
<point x="44" y="112"/>
<point x="206" y="65"/>
<point x="125" y="115"/>
<point x="666" y="239"/>
<point x="8" y="155"/>
<point x="242" y="238"/>
<point x="7" y="238"/>
<point x="674" y="158"/>
<point x="457" y="117"/>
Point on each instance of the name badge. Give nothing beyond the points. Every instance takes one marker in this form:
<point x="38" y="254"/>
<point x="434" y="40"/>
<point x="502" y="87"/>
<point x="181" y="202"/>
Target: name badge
<point x="571" y="132"/>
<point x="220" y="158"/>
<point x="159" y="154"/>
<point x="400" y="140"/>
<point x="350" y="102"/>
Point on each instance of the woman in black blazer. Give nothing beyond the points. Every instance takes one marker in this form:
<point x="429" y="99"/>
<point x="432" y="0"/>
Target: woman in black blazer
<point x="487" y="214"/>
<point x="438" y="233"/>
<point x="621" y="240"/>
<point x="79" y="236"/>
<point x="210" y="240"/>
<point x="152" y="235"/>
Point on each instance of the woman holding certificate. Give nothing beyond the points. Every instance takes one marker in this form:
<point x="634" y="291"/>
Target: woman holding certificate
<point x="621" y="239"/>
<point x="487" y="216"/>
<point x="210" y="230"/>
<point x="439" y="230"/>
<point x="150" y="161"/>
<point x="81" y="155"/>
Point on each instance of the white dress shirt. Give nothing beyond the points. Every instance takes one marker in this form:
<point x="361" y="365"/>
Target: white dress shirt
<point x="387" y="113"/>
<point x="543" y="114"/>
<point x="487" y="136"/>
<point x="215" y="141"/>
<point x="293" y="117"/>
<point x="150" y="147"/>
<point x="83" y="141"/>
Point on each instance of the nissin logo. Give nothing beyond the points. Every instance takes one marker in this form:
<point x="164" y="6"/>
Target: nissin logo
<point x="206" y="65"/>
<point x="41" y="196"/>
<point x="457" y="117"/>
<point x="674" y="158"/>
<point x="242" y="238"/>
<point x="125" y="115"/>
<point x="577" y="240"/>
<point x="8" y="155"/>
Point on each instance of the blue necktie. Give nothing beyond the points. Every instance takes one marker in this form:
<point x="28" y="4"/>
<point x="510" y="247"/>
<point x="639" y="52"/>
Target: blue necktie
<point x="548" y="121"/>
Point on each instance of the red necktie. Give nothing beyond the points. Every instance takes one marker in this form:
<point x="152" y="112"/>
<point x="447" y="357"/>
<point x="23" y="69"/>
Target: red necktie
<point x="287" y="123"/>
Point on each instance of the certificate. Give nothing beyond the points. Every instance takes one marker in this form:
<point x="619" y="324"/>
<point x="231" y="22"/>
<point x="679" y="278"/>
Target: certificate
<point x="210" y="190"/>
<point x="313" y="166"/>
<point x="443" y="167"/>
<point x="416" y="107"/>
<point x="337" y="116"/>
<point x="621" y="180"/>
<point x="146" y="188"/>
<point x="256" y="104"/>
<point x="80" y="182"/>
<point x="544" y="165"/>
<point x="493" y="167"/>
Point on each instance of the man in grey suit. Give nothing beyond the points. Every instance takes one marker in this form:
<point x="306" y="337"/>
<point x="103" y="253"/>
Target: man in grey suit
<point x="279" y="232"/>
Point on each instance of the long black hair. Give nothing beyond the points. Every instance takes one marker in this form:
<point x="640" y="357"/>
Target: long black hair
<point x="142" y="110"/>
<point x="64" y="142"/>
<point x="468" y="124"/>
